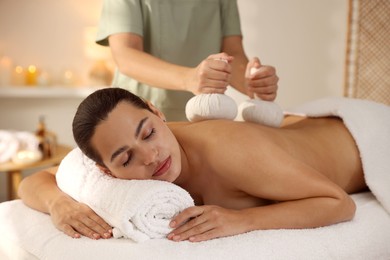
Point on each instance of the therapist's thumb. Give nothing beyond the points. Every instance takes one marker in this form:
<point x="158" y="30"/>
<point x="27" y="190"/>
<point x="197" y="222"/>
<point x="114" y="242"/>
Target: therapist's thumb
<point x="253" y="63"/>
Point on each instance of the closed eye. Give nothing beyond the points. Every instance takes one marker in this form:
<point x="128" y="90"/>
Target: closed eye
<point x="151" y="133"/>
<point x="148" y="136"/>
<point x="126" y="163"/>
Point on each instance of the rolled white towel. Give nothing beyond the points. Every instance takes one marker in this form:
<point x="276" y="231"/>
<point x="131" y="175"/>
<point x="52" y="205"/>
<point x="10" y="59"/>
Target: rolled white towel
<point x="9" y="145"/>
<point x="27" y="141"/>
<point x="137" y="209"/>
<point x="14" y="142"/>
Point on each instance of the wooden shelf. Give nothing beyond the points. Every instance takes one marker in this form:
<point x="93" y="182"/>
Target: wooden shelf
<point x="14" y="171"/>
<point x="47" y="92"/>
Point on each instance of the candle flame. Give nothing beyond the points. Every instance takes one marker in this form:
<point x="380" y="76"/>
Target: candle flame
<point x="32" y="69"/>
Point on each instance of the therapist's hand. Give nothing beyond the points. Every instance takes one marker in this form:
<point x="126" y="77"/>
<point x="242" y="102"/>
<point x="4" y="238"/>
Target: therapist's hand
<point x="212" y="75"/>
<point x="263" y="83"/>
<point x="76" y="219"/>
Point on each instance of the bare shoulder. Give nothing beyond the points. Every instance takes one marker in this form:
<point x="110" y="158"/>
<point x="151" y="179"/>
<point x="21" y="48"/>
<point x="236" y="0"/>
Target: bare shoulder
<point x="227" y="146"/>
<point x="221" y="133"/>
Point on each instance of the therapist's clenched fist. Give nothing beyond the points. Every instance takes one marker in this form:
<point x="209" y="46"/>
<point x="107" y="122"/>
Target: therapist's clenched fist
<point x="212" y="75"/>
<point x="261" y="81"/>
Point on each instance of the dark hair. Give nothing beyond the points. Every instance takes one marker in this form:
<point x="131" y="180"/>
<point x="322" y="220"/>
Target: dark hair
<point x="93" y="110"/>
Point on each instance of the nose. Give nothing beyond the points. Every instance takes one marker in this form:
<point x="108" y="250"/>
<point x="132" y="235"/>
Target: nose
<point x="148" y="155"/>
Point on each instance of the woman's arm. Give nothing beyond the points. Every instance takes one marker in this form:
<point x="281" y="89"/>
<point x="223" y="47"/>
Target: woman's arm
<point x="305" y="198"/>
<point x="210" y="221"/>
<point x="210" y="76"/>
<point x="40" y="191"/>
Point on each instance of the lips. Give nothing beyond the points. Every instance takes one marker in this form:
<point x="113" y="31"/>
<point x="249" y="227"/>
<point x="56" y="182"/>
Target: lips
<point x="163" y="167"/>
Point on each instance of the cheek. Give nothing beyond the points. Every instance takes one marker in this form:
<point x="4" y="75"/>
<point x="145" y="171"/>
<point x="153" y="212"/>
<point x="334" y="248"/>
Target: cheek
<point x="135" y="173"/>
<point x="176" y="157"/>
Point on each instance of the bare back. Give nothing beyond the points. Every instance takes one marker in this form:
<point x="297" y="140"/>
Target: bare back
<point x="224" y="156"/>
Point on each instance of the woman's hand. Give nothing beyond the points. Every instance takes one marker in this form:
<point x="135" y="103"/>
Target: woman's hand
<point x="263" y="83"/>
<point x="202" y="223"/>
<point x="76" y="219"/>
<point x="212" y="75"/>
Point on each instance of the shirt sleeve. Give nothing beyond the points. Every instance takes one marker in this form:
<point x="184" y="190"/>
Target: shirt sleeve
<point x="119" y="16"/>
<point x="230" y="18"/>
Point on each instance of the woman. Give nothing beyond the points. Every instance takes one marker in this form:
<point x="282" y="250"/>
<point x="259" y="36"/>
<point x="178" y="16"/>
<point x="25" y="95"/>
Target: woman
<point x="242" y="176"/>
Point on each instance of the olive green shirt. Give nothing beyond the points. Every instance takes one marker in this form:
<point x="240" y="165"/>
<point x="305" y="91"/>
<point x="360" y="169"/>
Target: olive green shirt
<point x="182" y="32"/>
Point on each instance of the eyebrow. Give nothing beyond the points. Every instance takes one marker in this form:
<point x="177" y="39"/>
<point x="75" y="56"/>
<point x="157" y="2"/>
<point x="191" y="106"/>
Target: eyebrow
<point x="139" y="127"/>
<point x="118" y="152"/>
<point x="123" y="148"/>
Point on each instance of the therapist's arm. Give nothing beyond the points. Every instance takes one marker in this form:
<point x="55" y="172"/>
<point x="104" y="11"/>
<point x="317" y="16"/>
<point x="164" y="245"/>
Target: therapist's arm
<point x="210" y="76"/>
<point x="232" y="45"/>
<point x="40" y="192"/>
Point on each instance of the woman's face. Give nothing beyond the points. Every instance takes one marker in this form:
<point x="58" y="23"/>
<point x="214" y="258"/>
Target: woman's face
<point x="137" y="144"/>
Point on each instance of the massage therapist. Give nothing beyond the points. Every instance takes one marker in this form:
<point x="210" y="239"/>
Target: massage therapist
<point x="166" y="51"/>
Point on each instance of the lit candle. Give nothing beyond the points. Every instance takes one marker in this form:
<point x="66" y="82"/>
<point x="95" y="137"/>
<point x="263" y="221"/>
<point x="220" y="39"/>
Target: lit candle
<point x="18" y="77"/>
<point x="68" y="78"/>
<point x="27" y="156"/>
<point x="31" y="75"/>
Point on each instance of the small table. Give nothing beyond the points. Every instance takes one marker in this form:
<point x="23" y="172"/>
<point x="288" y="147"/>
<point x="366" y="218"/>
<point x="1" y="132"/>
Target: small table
<point x="14" y="171"/>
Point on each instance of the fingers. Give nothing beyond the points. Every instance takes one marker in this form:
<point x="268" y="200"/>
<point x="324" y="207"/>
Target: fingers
<point x="221" y="56"/>
<point x="210" y="90"/>
<point x="193" y="229"/>
<point x="94" y="227"/>
<point x="262" y="82"/>
<point x="203" y="223"/>
<point x="265" y="85"/>
<point x="189" y="223"/>
<point x="212" y="75"/>
<point x="77" y="219"/>
<point x="81" y="225"/>
<point x="77" y="229"/>
<point x="185" y="215"/>
<point x="68" y="230"/>
<point x="252" y="64"/>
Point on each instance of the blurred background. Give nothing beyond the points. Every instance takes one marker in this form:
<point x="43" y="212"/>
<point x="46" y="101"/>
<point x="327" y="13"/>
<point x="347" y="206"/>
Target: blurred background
<point x="52" y="41"/>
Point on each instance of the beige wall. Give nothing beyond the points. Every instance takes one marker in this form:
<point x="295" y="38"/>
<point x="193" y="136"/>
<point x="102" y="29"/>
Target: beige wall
<point x="303" y="39"/>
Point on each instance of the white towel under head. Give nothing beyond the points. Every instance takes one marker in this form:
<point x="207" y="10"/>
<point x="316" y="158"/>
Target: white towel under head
<point x="137" y="209"/>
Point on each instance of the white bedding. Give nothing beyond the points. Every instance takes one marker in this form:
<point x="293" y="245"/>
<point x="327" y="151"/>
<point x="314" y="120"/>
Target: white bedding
<point x="28" y="234"/>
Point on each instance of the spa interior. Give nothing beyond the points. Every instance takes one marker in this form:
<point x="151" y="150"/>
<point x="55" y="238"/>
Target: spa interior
<point x="49" y="63"/>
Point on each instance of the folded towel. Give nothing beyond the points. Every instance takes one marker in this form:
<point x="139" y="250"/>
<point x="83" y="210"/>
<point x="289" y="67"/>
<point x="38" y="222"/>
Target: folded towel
<point x="369" y="124"/>
<point x="9" y="145"/>
<point x="137" y="209"/>
<point x="12" y="142"/>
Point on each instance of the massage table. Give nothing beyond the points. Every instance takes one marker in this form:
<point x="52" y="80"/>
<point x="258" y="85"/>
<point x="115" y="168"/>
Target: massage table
<point x="29" y="234"/>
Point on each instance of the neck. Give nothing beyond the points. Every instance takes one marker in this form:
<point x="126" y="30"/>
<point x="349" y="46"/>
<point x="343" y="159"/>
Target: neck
<point x="188" y="181"/>
<point x="184" y="176"/>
